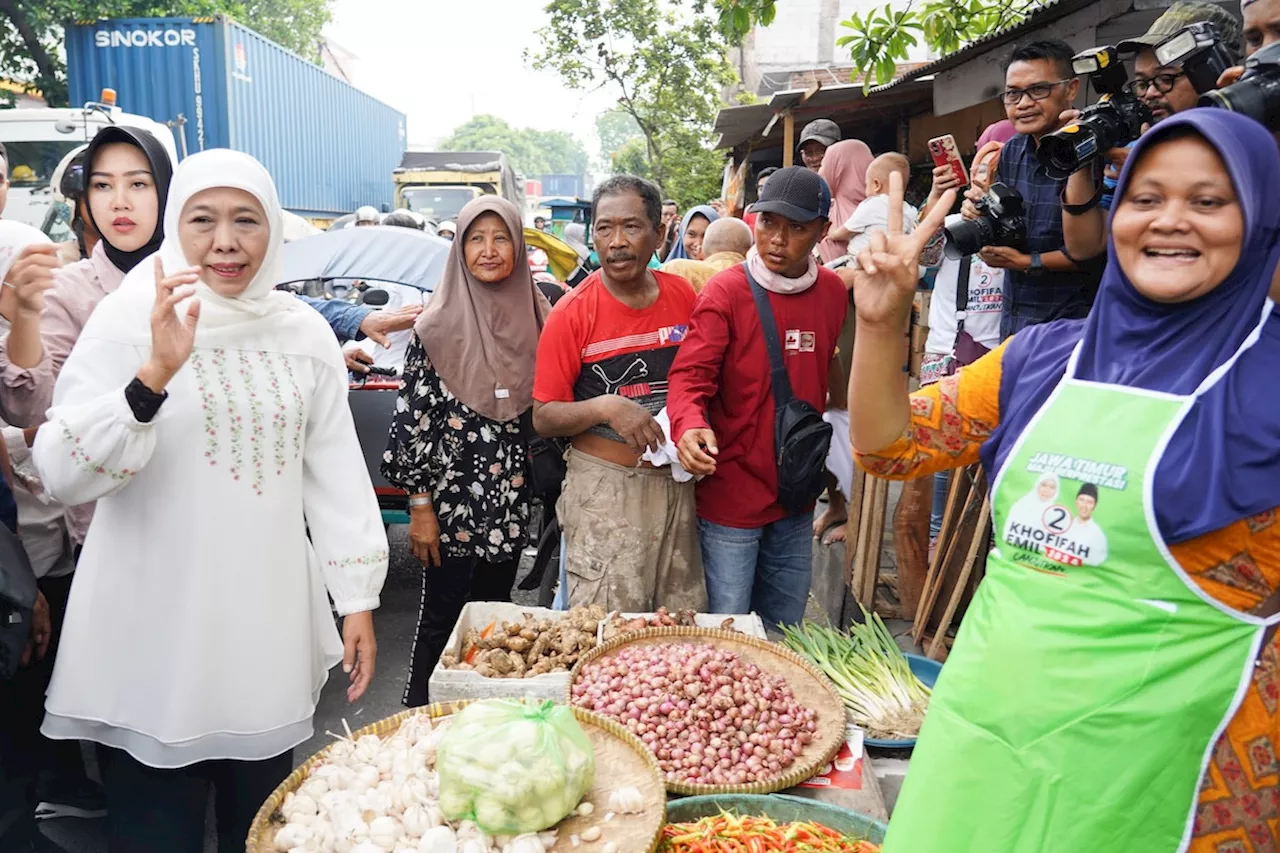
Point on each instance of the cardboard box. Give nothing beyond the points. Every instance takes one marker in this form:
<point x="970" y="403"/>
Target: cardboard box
<point x="913" y="363"/>
<point x="748" y="623"/>
<point x="450" y="685"/>
<point x="919" y="335"/>
<point x="921" y="303"/>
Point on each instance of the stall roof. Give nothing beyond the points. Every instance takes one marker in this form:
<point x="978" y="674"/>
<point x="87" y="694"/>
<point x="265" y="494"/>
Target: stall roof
<point x="842" y="104"/>
<point x="1048" y="12"/>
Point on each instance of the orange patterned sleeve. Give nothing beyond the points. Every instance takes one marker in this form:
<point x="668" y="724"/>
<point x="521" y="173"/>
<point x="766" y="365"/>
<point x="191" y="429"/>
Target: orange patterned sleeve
<point x="949" y="421"/>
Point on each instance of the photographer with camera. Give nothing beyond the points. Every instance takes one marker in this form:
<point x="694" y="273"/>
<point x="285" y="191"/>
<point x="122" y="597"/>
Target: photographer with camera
<point x="1165" y="86"/>
<point x="1041" y="282"/>
<point x="1254" y="88"/>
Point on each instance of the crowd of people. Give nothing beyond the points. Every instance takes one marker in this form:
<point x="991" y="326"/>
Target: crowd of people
<point x="681" y="409"/>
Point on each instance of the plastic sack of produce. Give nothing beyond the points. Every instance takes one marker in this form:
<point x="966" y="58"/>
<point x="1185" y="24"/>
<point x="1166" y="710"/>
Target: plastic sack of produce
<point x="513" y="767"/>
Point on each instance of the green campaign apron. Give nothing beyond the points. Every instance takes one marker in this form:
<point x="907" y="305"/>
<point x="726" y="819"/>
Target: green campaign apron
<point x="1091" y="677"/>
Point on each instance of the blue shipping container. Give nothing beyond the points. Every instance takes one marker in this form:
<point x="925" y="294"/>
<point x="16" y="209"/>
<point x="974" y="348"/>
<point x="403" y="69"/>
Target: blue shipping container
<point x="329" y="146"/>
<point x="566" y="186"/>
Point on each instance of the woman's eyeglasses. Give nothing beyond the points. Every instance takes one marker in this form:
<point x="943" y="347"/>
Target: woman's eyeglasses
<point x="1036" y="92"/>
<point x="1164" y="84"/>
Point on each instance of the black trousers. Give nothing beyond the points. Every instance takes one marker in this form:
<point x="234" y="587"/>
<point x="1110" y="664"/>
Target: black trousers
<point x="24" y="752"/>
<point x="445" y="589"/>
<point x="163" y="811"/>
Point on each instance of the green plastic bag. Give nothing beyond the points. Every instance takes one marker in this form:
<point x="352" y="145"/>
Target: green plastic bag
<point x="513" y="767"/>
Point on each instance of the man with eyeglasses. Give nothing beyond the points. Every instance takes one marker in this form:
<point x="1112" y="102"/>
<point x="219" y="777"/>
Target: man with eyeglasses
<point x="1042" y="283"/>
<point x="1166" y="90"/>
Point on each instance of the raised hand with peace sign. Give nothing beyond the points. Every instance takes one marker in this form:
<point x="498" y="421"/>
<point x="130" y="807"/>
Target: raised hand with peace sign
<point x="883" y="288"/>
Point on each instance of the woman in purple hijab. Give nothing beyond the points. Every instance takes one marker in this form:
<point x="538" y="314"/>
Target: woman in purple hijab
<point x="1114" y="683"/>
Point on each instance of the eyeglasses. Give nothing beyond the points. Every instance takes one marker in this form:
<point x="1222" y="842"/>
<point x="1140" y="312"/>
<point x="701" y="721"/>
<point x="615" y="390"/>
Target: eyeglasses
<point x="1037" y="92"/>
<point x="1164" y="84"/>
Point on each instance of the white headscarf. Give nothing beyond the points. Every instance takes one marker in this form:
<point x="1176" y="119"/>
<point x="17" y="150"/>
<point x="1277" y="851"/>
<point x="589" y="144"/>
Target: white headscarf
<point x="260" y="314"/>
<point x="221" y="167"/>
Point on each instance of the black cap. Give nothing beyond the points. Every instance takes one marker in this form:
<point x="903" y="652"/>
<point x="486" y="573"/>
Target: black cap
<point x="822" y="130"/>
<point x="797" y="193"/>
<point x="1088" y="489"/>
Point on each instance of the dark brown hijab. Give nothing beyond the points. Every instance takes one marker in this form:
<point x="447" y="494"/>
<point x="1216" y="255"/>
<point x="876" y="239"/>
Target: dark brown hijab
<point x="483" y="338"/>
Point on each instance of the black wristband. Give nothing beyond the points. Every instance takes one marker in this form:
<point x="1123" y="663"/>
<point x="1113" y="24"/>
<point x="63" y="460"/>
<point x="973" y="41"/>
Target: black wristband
<point x="143" y="401"/>
<point x="1081" y="209"/>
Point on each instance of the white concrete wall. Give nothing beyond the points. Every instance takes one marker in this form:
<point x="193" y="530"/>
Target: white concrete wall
<point x="797" y="39"/>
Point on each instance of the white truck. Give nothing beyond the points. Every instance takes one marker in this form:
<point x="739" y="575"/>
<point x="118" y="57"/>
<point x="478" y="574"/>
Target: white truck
<point x="37" y="139"/>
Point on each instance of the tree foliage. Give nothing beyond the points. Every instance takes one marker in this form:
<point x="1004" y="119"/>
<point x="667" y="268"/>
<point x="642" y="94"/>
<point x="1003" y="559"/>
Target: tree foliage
<point x="880" y="39"/>
<point x="532" y="152"/>
<point x="616" y="129"/>
<point x="31" y="30"/>
<point x="667" y="61"/>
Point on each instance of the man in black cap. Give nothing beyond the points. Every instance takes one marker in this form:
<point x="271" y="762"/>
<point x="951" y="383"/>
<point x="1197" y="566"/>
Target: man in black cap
<point x="817" y="136"/>
<point x="756" y="554"/>
<point x="1166" y="89"/>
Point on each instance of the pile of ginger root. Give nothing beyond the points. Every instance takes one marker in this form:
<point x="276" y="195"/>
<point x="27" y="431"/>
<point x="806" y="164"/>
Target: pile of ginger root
<point x="529" y="647"/>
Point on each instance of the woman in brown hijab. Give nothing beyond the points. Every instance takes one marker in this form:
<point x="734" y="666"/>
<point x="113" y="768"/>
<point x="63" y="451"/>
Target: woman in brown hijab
<point x="456" y="443"/>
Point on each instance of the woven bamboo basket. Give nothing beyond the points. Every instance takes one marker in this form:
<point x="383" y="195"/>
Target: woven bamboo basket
<point x="807" y="682"/>
<point x="621" y="760"/>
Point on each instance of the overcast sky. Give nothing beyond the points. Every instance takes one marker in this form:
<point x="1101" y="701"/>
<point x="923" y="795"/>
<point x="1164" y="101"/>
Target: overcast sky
<point x="442" y="61"/>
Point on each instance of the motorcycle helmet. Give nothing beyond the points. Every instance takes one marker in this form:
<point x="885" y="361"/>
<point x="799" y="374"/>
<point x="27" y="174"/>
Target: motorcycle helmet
<point x="67" y="181"/>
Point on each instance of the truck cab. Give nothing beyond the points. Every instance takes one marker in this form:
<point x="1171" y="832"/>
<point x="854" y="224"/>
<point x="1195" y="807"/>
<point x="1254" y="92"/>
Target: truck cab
<point x="38" y="138"/>
<point x="437" y="184"/>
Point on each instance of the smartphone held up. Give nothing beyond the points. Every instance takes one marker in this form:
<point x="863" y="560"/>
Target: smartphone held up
<point x="945" y="152"/>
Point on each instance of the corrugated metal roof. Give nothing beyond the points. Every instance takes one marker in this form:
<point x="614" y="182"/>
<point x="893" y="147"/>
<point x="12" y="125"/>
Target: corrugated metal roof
<point x="736" y="125"/>
<point x="1048" y="12"/>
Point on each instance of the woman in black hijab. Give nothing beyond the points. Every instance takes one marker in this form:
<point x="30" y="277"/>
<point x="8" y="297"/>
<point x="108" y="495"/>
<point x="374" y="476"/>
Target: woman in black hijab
<point x="126" y="181"/>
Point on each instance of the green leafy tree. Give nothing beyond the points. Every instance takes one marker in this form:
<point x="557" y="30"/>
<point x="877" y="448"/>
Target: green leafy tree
<point x="668" y="63"/>
<point x="532" y="152"/>
<point x="880" y="39"/>
<point x="616" y="129"/>
<point x="31" y="30"/>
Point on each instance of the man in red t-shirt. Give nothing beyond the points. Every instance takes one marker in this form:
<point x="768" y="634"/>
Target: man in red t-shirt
<point x="756" y="555"/>
<point x="631" y="539"/>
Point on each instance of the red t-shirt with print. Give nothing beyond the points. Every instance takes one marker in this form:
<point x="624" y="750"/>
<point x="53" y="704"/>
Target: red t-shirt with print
<point x="593" y="345"/>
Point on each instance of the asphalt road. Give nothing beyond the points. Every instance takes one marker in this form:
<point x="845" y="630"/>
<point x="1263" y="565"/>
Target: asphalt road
<point x="395" y="623"/>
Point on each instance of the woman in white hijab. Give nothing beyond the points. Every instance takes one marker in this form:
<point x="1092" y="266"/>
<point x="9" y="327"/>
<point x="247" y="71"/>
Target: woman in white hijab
<point x="207" y="414"/>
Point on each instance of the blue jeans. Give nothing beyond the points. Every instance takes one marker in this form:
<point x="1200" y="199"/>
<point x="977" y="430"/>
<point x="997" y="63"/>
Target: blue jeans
<point x="941" y="488"/>
<point x="765" y="569"/>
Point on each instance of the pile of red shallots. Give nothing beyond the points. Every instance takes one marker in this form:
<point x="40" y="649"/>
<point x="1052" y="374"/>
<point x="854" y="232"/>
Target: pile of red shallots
<point x="709" y="717"/>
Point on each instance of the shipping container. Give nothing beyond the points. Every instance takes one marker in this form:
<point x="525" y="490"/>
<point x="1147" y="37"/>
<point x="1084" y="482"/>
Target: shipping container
<point x="564" y="186"/>
<point x="329" y="146"/>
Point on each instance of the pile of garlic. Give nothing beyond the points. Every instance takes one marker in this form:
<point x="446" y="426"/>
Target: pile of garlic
<point x="382" y="796"/>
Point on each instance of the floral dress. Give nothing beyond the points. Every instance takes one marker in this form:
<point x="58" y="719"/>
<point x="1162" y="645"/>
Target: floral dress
<point x="473" y="467"/>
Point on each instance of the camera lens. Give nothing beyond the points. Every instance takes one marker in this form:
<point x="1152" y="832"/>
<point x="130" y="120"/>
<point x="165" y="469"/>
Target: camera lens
<point x="1256" y="96"/>
<point x="968" y="237"/>
<point x="1067" y="150"/>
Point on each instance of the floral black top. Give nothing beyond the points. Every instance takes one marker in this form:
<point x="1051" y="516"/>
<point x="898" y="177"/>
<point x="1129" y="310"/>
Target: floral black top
<point x="473" y="467"/>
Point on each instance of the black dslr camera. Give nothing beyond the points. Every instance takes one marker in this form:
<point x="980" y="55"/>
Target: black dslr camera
<point x="1257" y="93"/>
<point x="1113" y="122"/>
<point x="1002" y="223"/>
<point x="1199" y="50"/>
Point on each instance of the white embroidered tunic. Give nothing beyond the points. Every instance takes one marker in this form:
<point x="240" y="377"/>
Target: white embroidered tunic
<point x="198" y="626"/>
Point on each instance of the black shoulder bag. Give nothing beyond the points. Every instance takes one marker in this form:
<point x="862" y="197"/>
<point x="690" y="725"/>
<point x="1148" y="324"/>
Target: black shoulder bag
<point x="801" y="438"/>
<point x="17" y="599"/>
<point x="544" y="460"/>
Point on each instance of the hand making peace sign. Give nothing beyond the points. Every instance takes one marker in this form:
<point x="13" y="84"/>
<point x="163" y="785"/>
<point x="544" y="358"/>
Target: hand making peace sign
<point x="885" y="282"/>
